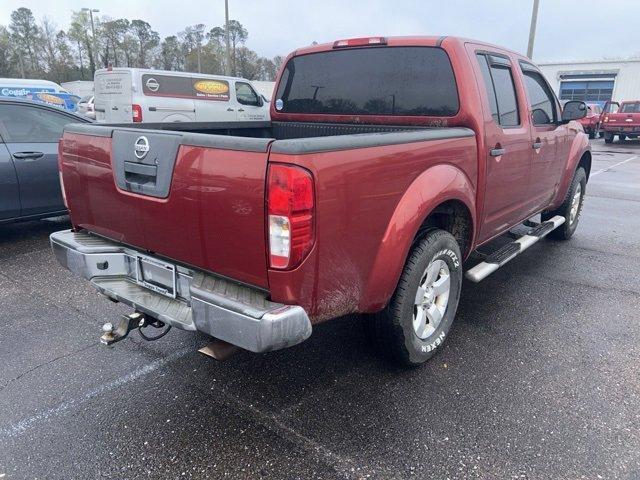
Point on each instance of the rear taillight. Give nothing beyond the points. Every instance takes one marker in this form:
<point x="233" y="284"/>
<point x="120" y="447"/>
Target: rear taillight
<point x="290" y="215"/>
<point x="64" y="193"/>
<point x="606" y="119"/>
<point x="136" y="112"/>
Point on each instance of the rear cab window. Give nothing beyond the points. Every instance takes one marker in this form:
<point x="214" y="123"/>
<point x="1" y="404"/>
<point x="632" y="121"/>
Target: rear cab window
<point x="370" y="81"/>
<point x="633" y="107"/>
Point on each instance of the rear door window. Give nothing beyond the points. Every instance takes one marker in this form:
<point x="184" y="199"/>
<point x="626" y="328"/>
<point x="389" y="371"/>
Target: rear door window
<point x="408" y="81"/>
<point x="498" y="80"/>
<point x="488" y="83"/>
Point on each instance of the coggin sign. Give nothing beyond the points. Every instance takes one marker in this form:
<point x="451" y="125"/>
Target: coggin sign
<point x="185" y="87"/>
<point x="212" y="87"/>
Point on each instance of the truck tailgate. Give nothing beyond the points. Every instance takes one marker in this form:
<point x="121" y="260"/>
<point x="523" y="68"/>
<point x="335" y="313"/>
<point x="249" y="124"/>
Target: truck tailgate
<point x="622" y="119"/>
<point x="196" y="199"/>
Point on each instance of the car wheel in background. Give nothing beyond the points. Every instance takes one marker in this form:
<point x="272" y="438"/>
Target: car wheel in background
<point x="413" y="326"/>
<point x="608" y="137"/>
<point x="570" y="208"/>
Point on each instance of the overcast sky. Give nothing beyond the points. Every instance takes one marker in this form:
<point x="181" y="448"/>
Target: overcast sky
<point x="567" y="29"/>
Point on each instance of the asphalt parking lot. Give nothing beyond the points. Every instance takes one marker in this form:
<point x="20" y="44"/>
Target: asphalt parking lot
<point x="540" y="378"/>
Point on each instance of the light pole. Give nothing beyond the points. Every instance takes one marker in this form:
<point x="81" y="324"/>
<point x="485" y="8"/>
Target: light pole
<point x="226" y="29"/>
<point x="532" y="29"/>
<point x="93" y="35"/>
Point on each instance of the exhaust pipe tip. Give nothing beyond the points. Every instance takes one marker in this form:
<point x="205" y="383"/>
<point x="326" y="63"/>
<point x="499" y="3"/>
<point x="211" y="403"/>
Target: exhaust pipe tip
<point x="219" y="349"/>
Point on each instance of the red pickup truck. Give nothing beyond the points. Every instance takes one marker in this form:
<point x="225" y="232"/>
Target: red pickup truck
<point x="386" y="163"/>
<point x="591" y="123"/>
<point x="623" y="121"/>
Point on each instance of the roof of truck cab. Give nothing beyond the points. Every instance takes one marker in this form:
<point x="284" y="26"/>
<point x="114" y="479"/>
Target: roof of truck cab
<point x="169" y="72"/>
<point x="411" y="40"/>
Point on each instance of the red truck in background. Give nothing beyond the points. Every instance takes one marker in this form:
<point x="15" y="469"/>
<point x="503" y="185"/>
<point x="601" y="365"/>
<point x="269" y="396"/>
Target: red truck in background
<point x="621" y="119"/>
<point x="387" y="162"/>
<point x="591" y="122"/>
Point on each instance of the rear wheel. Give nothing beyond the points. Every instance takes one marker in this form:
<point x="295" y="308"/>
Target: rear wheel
<point x="592" y="134"/>
<point x="622" y="137"/>
<point x="570" y="208"/>
<point x="608" y="137"/>
<point x="413" y="326"/>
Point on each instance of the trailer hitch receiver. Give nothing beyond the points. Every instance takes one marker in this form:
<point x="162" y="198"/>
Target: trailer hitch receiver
<point x="130" y="322"/>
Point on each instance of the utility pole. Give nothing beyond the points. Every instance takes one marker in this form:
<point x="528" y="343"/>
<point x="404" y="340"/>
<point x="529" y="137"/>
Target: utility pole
<point x="93" y="36"/>
<point x="532" y="29"/>
<point x="226" y="29"/>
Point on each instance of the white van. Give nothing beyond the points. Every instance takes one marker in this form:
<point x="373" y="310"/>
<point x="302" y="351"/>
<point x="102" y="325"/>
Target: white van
<point x="42" y="91"/>
<point x="124" y="95"/>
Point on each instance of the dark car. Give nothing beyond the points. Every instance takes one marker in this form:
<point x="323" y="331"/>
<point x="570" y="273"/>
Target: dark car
<point x="29" y="181"/>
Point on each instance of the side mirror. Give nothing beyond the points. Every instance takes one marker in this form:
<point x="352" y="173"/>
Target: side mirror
<point x="573" y="110"/>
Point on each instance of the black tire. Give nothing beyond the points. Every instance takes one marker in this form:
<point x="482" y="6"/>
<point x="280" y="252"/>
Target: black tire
<point x="608" y="137"/>
<point x="568" y="228"/>
<point x="392" y="330"/>
<point x="622" y="138"/>
<point x="592" y="135"/>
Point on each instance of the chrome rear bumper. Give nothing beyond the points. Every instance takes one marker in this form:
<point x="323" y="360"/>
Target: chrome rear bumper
<point x="195" y="300"/>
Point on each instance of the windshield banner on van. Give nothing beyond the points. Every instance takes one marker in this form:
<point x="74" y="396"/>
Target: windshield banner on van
<point x="185" y="87"/>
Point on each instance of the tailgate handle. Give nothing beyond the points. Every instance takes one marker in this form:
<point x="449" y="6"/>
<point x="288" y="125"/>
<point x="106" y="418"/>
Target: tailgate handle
<point x="141" y="169"/>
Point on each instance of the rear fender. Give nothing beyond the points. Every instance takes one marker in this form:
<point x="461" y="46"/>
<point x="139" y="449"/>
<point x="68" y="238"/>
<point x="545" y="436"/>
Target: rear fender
<point x="434" y="186"/>
<point x="579" y="147"/>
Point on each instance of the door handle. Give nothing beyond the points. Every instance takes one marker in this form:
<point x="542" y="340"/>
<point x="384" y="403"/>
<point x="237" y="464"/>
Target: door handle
<point x="496" y="152"/>
<point x="28" y="155"/>
<point x="229" y="109"/>
<point x="241" y="109"/>
<point x="114" y="108"/>
<point x="537" y="145"/>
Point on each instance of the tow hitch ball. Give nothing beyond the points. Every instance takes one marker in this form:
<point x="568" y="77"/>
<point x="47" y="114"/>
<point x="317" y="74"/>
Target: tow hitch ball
<point x="130" y="322"/>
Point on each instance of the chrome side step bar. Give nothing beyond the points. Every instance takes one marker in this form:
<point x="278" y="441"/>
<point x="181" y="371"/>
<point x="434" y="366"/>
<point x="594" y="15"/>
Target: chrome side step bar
<point x="511" y="250"/>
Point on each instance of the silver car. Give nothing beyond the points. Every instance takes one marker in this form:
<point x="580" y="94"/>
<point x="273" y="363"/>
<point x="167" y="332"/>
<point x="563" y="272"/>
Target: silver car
<point x="86" y="107"/>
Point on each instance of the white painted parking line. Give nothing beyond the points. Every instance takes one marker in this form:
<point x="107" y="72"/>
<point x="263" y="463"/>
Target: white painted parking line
<point x="27" y="423"/>
<point x="614" y="166"/>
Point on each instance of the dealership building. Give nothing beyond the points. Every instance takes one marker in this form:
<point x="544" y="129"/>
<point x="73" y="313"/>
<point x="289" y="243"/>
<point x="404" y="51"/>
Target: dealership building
<point x="594" y="82"/>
